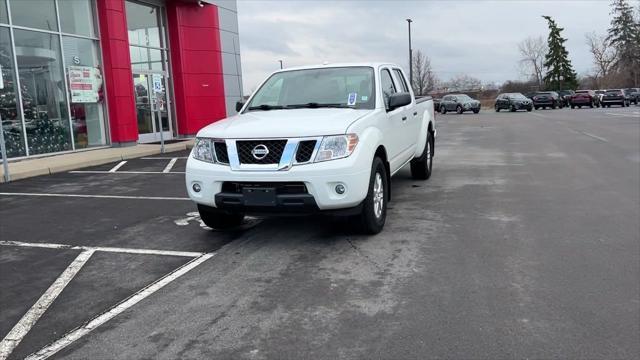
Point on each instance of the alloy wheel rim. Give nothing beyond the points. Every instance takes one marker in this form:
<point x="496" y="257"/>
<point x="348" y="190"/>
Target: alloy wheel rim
<point x="378" y="195"/>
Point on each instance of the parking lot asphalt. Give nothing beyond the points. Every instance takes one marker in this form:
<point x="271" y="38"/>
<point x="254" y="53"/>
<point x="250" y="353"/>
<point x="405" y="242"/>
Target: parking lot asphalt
<point x="525" y="243"/>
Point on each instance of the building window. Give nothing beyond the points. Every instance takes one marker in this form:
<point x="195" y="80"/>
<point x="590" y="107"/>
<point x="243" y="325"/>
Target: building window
<point x="53" y="97"/>
<point x="76" y="17"/>
<point x="86" y="92"/>
<point x="42" y="83"/>
<point x="38" y="14"/>
<point x="9" y="112"/>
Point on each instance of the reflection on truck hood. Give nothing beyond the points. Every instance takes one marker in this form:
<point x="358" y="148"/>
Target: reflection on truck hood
<point x="284" y="123"/>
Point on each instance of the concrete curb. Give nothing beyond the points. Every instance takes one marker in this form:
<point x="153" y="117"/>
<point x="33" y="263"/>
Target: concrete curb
<point x="72" y="161"/>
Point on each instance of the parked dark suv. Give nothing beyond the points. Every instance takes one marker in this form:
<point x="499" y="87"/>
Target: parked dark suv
<point x="566" y="95"/>
<point x="584" y="98"/>
<point x="459" y="103"/>
<point x="513" y="102"/>
<point x="632" y="95"/>
<point x="547" y="99"/>
<point x="614" y="97"/>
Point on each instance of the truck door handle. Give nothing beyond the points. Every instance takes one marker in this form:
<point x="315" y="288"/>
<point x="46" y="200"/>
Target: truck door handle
<point x="404" y="118"/>
<point x="415" y="113"/>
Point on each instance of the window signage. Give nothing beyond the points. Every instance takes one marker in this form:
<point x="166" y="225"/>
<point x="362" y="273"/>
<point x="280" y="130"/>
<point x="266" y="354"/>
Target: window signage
<point x="84" y="83"/>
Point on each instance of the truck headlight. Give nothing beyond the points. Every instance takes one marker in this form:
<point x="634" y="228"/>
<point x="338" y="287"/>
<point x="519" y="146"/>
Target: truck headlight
<point x="336" y="147"/>
<point x="203" y="150"/>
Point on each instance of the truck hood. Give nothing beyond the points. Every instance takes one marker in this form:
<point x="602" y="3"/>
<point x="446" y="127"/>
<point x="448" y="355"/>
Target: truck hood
<point x="284" y="123"/>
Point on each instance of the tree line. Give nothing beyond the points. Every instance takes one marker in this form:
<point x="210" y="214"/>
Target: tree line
<point x="616" y="55"/>
<point x="546" y="62"/>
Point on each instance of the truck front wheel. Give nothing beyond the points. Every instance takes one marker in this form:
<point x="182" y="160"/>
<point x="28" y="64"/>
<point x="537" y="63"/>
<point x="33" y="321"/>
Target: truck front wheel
<point x="421" y="167"/>
<point x="374" y="206"/>
<point x="217" y="219"/>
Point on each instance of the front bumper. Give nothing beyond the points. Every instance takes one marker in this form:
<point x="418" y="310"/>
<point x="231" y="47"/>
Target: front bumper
<point x="522" y="105"/>
<point x="320" y="180"/>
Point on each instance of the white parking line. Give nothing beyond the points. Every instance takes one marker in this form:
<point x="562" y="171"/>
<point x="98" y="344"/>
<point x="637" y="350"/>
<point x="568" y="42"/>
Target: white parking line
<point x="163" y="158"/>
<point x="89" y="326"/>
<point x="122" y="172"/>
<point x="29" y="319"/>
<point x="170" y="165"/>
<point x="95" y="196"/>
<point x="115" y="168"/>
<point x="103" y="249"/>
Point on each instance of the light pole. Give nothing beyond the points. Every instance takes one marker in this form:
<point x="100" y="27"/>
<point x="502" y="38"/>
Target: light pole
<point x="409" y="21"/>
<point x="280" y="63"/>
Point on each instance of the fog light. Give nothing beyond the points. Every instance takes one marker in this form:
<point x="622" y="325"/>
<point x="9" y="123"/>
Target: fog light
<point x="340" y="189"/>
<point x="196" y="187"/>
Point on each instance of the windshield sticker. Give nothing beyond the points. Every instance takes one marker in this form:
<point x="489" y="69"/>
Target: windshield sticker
<point x="352" y="99"/>
<point x="364" y="98"/>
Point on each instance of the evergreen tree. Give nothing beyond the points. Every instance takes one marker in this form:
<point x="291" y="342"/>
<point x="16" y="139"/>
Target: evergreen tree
<point x="559" y="71"/>
<point x="624" y="36"/>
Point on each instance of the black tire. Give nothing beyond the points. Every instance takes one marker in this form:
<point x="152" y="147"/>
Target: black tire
<point x="476" y="111"/>
<point x="544" y="108"/>
<point x="422" y="167"/>
<point x="512" y="109"/>
<point x="443" y="110"/>
<point x="579" y="106"/>
<point x="535" y="107"/>
<point x="573" y="106"/>
<point x="553" y="107"/>
<point x="497" y="108"/>
<point x="217" y="219"/>
<point x="374" y="207"/>
<point x="459" y="109"/>
<point x="529" y="109"/>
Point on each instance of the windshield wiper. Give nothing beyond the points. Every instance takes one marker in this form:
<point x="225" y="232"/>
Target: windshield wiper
<point x="266" y="107"/>
<point x="313" y="105"/>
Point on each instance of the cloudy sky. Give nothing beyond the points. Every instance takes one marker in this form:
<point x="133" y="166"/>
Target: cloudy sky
<point x="472" y="37"/>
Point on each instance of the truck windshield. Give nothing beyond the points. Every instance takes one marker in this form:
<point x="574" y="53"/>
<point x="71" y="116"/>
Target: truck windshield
<point x="349" y="87"/>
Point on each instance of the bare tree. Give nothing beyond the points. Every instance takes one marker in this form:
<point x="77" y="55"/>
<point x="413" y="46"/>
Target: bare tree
<point x="532" y="52"/>
<point x="604" y="56"/>
<point x="424" y="80"/>
<point x="463" y="82"/>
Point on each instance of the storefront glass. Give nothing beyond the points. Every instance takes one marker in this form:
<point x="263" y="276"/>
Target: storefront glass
<point x="9" y="113"/>
<point x="4" y="18"/>
<point x="81" y="57"/>
<point x="76" y="17"/>
<point x="39" y="14"/>
<point x="57" y="70"/>
<point x="44" y="100"/>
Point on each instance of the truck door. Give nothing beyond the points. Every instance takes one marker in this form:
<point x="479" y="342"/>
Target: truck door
<point x="414" y="121"/>
<point x="394" y="129"/>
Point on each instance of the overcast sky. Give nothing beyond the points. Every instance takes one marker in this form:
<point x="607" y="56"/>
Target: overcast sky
<point x="472" y="37"/>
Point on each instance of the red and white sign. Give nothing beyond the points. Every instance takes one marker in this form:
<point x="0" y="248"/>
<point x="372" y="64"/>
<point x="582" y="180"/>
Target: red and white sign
<point x="84" y="83"/>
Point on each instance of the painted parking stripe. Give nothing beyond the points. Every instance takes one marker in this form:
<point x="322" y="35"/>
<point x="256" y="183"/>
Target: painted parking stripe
<point x="29" y="319"/>
<point x="92" y="324"/>
<point x="170" y="165"/>
<point x="115" y="168"/>
<point x="163" y="158"/>
<point x="122" y="172"/>
<point x="103" y="249"/>
<point x="95" y="196"/>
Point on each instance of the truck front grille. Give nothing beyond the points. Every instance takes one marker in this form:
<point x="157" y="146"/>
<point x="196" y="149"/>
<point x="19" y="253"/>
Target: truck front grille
<point x="305" y="150"/>
<point x="245" y="148"/>
<point x="221" y="152"/>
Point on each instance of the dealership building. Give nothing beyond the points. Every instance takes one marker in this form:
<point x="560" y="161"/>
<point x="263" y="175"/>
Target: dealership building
<point x="79" y="74"/>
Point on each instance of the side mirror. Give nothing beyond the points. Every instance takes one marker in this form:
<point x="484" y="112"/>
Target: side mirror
<point x="239" y="106"/>
<point x="398" y="100"/>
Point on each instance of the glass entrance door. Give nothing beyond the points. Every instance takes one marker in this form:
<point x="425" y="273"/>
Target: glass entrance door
<point x="152" y="107"/>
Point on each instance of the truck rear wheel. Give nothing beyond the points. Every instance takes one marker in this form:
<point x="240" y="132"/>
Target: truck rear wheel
<point x="421" y="167"/>
<point x="217" y="219"/>
<point x="374" y="206"/>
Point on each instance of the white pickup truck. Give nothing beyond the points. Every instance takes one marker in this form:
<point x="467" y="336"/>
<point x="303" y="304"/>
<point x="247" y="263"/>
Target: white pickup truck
<point x="314" y="139"/>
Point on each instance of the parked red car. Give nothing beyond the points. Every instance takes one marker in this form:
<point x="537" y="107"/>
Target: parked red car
<point x="584" y="98"/>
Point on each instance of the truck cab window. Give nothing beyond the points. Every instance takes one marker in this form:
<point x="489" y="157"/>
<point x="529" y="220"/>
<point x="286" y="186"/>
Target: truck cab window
<point x="400" y="77"/>
<point x="388" y="88"/>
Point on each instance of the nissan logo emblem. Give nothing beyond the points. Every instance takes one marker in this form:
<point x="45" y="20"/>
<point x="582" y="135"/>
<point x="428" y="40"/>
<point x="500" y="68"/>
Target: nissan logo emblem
<point x="260" y="152"/>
